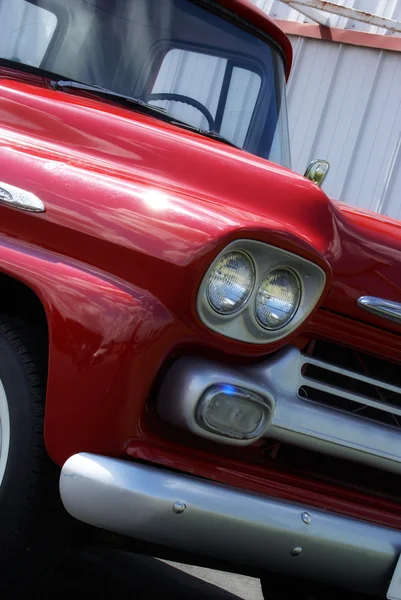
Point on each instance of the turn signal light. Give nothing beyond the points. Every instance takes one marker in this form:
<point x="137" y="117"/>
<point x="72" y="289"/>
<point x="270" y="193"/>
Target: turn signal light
<point x="233" y="412"/>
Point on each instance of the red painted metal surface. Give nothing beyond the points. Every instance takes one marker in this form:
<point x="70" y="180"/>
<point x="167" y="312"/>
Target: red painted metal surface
<point x="365" y="263"/>
<point x="136" y="211"/>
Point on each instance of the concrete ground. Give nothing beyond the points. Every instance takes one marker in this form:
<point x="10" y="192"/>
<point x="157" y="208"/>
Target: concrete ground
<point x="237" y="586"/>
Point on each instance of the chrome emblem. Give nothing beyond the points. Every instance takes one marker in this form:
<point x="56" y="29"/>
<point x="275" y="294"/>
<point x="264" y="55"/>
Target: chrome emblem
<point x="19" y="198"/>
<point x="383" y="308"/>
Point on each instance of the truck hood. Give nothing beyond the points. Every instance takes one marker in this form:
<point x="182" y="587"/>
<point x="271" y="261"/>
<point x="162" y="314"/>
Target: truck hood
<point x="115" y="177"/>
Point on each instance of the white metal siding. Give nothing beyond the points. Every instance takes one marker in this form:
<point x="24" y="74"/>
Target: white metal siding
<point x="344" y="105"/>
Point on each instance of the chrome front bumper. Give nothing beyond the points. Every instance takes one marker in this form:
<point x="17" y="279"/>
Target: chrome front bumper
<point x="199" y="516"/>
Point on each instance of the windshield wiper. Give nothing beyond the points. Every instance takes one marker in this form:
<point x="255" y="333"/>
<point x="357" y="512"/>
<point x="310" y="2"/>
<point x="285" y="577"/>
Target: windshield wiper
<point x="76" y="85"/>
<point x="147" y="108"/>
<point x="215" y="135"/>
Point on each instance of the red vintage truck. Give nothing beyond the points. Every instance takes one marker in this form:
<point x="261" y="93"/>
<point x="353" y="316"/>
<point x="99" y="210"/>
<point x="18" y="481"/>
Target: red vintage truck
<point x="198" y="349"/>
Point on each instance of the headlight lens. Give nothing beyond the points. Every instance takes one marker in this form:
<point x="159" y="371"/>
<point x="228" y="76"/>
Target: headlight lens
<point x="277" y="299"/>
<point x="230" y="283"/>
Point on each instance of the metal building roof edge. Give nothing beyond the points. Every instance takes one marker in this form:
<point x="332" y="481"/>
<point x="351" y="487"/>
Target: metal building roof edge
<point x="342" y="36"/>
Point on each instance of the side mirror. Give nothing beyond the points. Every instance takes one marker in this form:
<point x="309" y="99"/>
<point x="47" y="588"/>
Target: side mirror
<point x="317" y="171"/>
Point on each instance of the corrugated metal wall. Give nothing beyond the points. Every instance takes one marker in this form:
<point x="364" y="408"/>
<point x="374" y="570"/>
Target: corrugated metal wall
<point x="345" y="105"/>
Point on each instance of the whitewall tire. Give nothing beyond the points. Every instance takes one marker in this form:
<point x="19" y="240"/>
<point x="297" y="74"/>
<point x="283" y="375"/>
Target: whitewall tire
<point x="4" y="431"/>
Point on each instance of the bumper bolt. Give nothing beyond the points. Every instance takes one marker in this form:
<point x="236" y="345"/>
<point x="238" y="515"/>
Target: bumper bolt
<point x="306" y="518"/>
<point x="179" y="508"/>
<point x="296" y="551"/>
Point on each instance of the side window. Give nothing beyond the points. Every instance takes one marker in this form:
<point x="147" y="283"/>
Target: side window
<point x="25" y="31"/>
<point x="203" y="77"/>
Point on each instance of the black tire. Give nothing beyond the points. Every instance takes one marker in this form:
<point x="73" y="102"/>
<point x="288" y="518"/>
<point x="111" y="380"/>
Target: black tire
<point x="31" y="515"/>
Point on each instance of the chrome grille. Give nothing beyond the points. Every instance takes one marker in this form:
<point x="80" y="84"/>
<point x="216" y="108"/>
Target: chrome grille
<point x="328" y="399"/>
<point x="351" y="381"/>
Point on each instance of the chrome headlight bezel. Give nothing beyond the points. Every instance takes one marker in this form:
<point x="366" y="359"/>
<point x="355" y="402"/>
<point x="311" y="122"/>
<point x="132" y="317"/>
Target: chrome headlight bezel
<point x="243" y="325"/>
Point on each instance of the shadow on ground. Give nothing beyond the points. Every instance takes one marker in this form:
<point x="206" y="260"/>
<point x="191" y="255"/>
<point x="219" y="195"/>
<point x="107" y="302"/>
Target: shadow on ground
<point x="110" y="574"/>
<point x="115" y="575"/>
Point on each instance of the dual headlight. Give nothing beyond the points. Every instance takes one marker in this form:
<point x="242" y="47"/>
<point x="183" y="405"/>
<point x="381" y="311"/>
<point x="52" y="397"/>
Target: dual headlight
<point x="232" y="281"/>
<point x="257" y="293"/>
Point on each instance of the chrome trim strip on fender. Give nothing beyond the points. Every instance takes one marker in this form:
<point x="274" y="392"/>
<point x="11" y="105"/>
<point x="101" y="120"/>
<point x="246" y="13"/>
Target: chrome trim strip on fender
<point x="19" y="198"/>
<point x="383" y="308"/>
<point x="200" y="516"/>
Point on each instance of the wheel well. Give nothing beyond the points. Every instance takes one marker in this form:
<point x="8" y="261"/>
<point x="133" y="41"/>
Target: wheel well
<point x="19" y="301"/>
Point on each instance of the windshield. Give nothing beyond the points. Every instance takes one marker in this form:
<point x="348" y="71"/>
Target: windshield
<point x="180" y="55"/>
